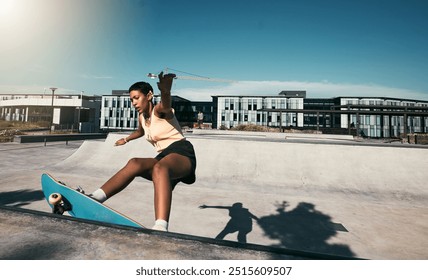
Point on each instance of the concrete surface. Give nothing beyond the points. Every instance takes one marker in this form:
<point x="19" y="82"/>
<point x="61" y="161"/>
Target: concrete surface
<point x="326" y="194"/>
<point x="35" y="235"/>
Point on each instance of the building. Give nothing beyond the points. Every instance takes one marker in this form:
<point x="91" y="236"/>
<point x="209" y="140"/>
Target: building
<point x="117" y="112"/>
<point x="381" y="117"/>
<point x="187" y="112"/>
<point x="231" y="111"/>
<point x="71" y="112"/>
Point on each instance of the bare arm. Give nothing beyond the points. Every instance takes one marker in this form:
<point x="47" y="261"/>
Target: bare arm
<point x="134" y="135"/>
<point x="253" y="216"/>
<point x="164" y="109"/>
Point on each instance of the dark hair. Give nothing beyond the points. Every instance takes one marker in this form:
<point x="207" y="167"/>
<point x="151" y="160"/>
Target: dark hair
<point x="142" y="87"/>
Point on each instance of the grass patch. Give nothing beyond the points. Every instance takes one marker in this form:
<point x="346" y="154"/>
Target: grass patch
<point x="8" y="129"/>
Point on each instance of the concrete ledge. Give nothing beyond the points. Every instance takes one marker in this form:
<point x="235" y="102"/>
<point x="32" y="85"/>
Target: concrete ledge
<point x="58" y="137"/>
<point x="272" y="135"/>
<point x="39" y="235"/>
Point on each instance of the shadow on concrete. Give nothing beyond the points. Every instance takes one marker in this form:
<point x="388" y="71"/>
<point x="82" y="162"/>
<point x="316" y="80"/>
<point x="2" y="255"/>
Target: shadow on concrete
<point x="20" y="197"/>
<point x="39" y="250"/>
<point x="304" y="228"/>
<point x="240" y="221"/>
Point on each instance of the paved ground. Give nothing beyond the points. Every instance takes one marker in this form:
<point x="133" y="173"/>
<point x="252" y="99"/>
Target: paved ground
<point x="35" y="235"/>
<point x="325" y="194"/>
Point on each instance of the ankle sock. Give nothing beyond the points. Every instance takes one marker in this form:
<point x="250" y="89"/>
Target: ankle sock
<point x="99" y="195"/>
<point x="161" y="225"/>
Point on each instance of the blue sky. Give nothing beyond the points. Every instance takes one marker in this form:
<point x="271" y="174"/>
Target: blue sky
<point x="329" y="48"/>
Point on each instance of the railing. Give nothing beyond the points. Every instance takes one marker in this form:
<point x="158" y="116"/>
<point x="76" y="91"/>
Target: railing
<point x="58" y="137"/>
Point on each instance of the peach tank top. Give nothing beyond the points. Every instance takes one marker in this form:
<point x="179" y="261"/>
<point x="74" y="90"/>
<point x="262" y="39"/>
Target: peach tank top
<point x="162" y="132"/>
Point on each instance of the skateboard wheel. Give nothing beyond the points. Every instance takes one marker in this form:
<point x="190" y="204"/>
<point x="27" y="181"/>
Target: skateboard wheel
<point x="55" y="198"/>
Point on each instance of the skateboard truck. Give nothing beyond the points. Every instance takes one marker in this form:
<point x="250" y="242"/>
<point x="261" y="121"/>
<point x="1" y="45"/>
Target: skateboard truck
<point x="59" y="204"/>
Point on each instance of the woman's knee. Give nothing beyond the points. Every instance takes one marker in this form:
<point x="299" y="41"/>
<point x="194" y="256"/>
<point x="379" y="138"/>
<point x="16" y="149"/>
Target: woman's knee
<point x="132" y="162"/>
<point x="159" y="171"/>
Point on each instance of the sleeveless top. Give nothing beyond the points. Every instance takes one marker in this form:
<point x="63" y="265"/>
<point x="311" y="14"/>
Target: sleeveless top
<point x="162" y="132"/>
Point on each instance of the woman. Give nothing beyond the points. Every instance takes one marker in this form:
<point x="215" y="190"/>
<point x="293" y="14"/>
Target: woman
<point x="176" y="160"/>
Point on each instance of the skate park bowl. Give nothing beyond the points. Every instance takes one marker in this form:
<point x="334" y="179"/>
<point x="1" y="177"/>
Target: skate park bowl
<point x="329" y="196"/>
<point x="323" y="197"/>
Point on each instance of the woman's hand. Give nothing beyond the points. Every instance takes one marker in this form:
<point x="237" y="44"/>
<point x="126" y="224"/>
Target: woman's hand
<point x="121" y="142"/>
<point x="165" y="82"/>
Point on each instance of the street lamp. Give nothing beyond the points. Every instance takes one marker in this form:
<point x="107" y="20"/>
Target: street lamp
<point x="79" y="108"/>
<point x="52" y="108"/>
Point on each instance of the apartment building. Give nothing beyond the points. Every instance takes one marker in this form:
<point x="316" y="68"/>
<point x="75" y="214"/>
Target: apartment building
<point x="76" y="112"/>
<point x="117" y="112"/>
<point x="379" y="117"/>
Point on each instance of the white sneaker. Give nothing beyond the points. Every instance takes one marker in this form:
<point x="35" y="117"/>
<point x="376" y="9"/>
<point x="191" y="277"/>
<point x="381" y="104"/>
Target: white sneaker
<point x="159" y="228"/>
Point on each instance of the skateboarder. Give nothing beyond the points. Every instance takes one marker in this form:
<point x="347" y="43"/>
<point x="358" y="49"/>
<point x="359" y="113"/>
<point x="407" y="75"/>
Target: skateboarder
<point x="176" y="160"/>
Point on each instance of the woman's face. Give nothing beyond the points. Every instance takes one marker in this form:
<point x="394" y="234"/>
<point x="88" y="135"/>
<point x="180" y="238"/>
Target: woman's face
<point x="140" y="101"/>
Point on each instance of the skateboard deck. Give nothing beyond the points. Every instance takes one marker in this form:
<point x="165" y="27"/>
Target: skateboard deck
<point x="80" y="205"/>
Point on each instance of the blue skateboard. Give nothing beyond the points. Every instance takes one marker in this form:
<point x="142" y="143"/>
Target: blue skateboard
<point x="62" y="198"/>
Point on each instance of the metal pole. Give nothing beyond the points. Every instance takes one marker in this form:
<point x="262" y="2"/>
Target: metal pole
<point x="78" y="116"/>
<point x="52" y="107"/>
<point x="318" y="121"/>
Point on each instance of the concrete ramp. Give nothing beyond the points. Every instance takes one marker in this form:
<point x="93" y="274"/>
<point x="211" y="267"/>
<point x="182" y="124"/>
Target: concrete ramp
<point x="228" y="161"/>
<point x="313" y="166"/>
<point x="104" y="157"/>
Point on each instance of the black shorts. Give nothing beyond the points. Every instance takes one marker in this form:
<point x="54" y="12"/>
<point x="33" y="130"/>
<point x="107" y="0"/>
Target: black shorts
<point x="184" y="148"/>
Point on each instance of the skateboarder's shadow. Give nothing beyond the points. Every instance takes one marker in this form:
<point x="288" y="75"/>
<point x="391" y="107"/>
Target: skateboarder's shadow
<point x="20" y="198"/>
<point x="240" y="221"/>
<point x="304" y="228"/>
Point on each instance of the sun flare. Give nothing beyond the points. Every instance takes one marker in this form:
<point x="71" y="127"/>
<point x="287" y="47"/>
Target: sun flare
<point x="7" y="8"/>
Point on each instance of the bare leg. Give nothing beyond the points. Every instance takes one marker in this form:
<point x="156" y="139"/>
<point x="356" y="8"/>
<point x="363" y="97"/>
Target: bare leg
<point x="173" y="166"/>
<point x="135" y="167"/>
